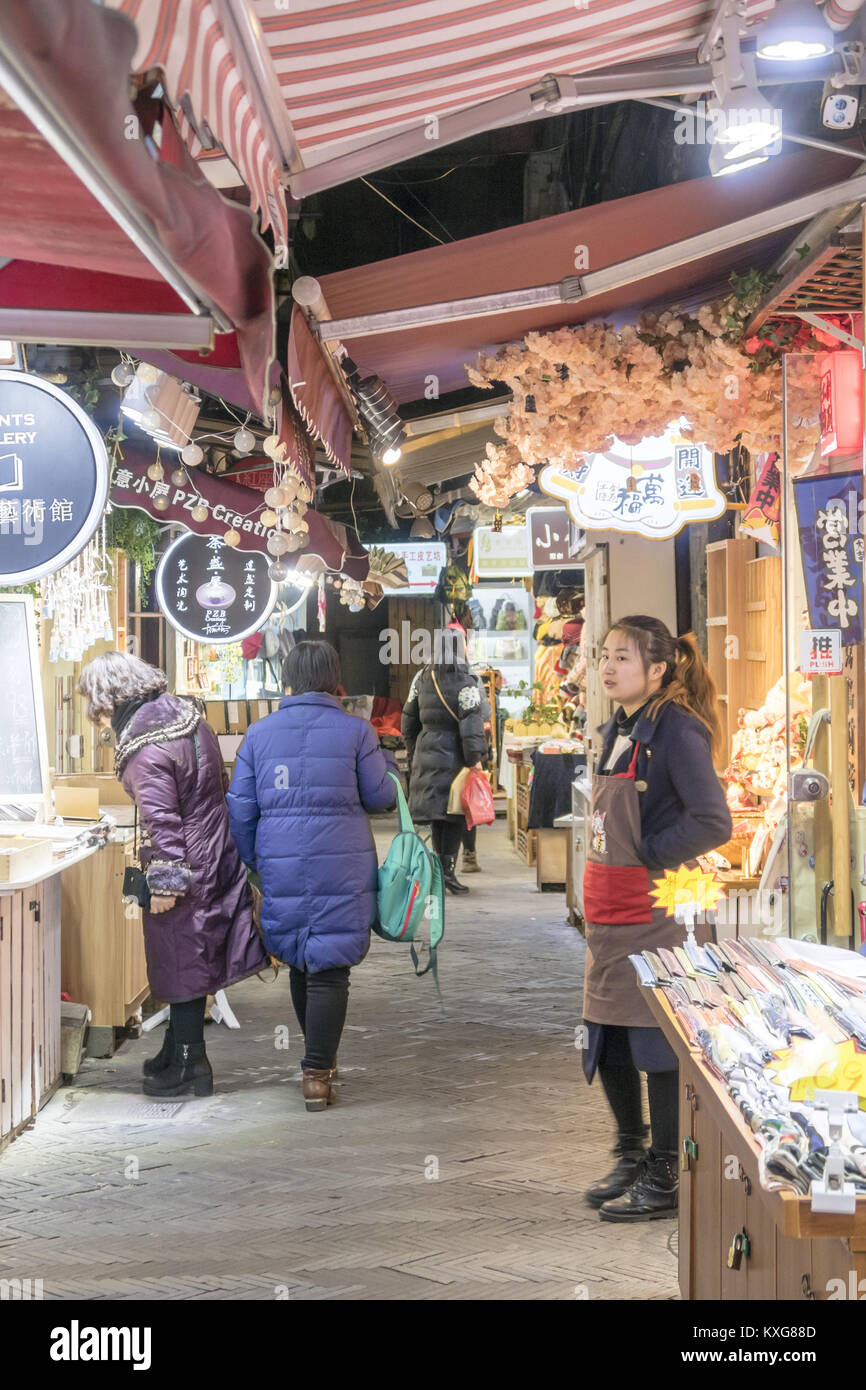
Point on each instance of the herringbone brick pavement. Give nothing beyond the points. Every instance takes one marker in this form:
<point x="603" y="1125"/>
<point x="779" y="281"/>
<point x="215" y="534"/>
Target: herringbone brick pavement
<point x="452" y="1166"/>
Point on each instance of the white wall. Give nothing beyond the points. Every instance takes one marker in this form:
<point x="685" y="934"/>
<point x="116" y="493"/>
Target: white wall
<point x="642" y="576"/>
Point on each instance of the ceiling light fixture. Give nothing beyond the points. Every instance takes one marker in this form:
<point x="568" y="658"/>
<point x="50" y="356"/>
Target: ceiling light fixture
<point x="733" y="161"/>
<point x="794" y="32"/>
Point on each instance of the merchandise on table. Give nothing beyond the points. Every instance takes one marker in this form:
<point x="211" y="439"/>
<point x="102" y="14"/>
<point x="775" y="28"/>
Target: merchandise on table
<point x="775" y="1020"/>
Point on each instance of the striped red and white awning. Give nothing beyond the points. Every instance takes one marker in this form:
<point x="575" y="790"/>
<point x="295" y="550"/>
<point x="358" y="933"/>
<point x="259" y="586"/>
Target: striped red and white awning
<point x="357" y="71"/>
<point x="186" y="41"/>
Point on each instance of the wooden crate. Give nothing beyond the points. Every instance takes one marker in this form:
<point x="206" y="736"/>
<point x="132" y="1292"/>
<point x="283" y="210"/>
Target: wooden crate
<point x="763" y="627"/>
<point x="29" y="1002"/>
<point x="22" y="858"/>
<point x="522" y="801"/>
<point x="525" y="844"/>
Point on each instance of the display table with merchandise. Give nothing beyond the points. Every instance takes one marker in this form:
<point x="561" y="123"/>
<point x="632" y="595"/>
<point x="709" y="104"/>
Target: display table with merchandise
<point x="749" y="1226"/>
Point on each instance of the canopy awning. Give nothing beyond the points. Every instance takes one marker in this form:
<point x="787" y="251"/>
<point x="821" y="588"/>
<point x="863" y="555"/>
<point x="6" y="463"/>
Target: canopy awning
<point x="417" y="360"/>
<point x="353" y="74"/>
<point x="85" y="186"/>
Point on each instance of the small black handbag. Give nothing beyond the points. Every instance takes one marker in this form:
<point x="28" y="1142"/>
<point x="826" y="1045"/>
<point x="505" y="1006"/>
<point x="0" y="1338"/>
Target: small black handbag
<point x="135" y="885"/>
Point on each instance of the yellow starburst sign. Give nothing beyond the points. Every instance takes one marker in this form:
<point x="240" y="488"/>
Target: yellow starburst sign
<point x="682" y="885"/>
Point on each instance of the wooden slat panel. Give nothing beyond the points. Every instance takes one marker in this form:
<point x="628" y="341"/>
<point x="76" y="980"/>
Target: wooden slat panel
<point x="28" y="1099"/>
<point x="18" y="1104"/>
<point x="50" y="897"/>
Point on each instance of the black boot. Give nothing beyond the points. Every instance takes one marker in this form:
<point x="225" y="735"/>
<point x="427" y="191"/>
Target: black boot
<point x="189" y="1069"/>
<point x="653" y="1193"/>
<point x="629" y="1152"/>
<point x="448" y="862"/>
<point x="152" y="1065"/>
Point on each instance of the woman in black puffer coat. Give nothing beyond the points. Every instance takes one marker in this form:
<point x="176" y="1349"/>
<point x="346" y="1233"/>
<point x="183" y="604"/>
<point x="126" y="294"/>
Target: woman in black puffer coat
<point x="443" y="730"/>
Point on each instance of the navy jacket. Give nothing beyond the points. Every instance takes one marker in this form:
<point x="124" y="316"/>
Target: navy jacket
<point x="683" y="810"/>
<point x="304" y="778"/>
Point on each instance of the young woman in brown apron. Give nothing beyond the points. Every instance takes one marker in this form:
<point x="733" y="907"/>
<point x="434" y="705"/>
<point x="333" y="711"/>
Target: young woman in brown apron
<point x="656" y="804"/>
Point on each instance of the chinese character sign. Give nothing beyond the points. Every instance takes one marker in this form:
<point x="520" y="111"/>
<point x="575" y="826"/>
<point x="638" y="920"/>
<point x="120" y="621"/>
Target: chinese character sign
<point x="53" y="478"/>
<point x="550" y="533"/>
<point x="828" y="514"/>
<point x="652" y="489"/>
<point x="213" y="593"/>
<point x="760" y="520"/>
<point x="821" y="652"/>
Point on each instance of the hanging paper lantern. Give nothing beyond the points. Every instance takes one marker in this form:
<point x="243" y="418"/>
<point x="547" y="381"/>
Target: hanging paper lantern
<point x="160" y="503"/>
<point x="199" y="512"/>
<point x="268" y="518"/>
<point x="273" y="497"/>
<point x="178" y="477"/>
<point x="278" y="544"/>
<point x="232" y="537"/>
<point x="278" y="572"/>
<point x="244" y="441"/>
<point x="147" y="374"/>
<point x="271" y="444"/>
<point x="122" y="375"/>
<point x="156" y="472"/>
<point x="841" y="410"/>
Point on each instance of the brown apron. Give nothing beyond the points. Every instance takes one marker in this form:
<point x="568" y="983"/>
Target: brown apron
<point x="618" y="910"/>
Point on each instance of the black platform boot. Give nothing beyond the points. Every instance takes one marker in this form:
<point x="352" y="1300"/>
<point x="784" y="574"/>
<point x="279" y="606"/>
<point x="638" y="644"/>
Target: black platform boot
<point x="152" y="1065"/>
<point x="189" y="1069"/>
<point x="653" y="1194"/>
<point x="452" y="883"/>
<point x="629" y="1153"/>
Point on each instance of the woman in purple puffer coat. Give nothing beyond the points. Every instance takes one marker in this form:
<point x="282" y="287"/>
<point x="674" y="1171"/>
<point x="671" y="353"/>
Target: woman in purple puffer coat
<point x="198" y="930"/>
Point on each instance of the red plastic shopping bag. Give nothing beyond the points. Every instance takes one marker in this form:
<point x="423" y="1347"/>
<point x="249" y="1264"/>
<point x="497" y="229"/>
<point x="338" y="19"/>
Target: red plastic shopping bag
<point x="476" y="799"/>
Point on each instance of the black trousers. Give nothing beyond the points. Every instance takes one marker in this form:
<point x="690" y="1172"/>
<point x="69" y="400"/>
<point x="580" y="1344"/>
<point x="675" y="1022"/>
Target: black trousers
<point x="320" y="999"/>
<point x="468" y="838"/>
<point x="446" y="836"/>
<point x="621" y="1081"/>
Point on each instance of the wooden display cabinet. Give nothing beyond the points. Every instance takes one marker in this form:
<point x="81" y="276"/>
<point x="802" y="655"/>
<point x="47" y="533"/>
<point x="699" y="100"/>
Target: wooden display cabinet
<point x="29" y="1002"/>
<point x="103" y="961"/>
<point x="794" y="1252"/>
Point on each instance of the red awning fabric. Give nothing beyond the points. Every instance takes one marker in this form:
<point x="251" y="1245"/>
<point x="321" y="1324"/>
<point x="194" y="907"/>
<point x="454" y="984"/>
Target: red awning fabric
<point x="353" y="73"/>
<point x="80" y="54"/>
<point x="315" y="394"/>
<point x="543" y="252"/>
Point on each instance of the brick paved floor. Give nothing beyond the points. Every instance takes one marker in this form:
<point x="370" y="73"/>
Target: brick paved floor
<point x="451" y="1167"/>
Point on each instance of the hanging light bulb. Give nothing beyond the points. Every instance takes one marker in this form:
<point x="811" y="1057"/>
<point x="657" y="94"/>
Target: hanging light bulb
<point x="273" y="497"/>
<point x="178" y="477"/>
<point x="304" y="493"/>
<point x="199" y="512"/>
<point x="244" y="440"/>
<point x="268" y="519"/>
<point x="271" y="444"/>
<point x="232" y="537"/>
<point x="160" y="503"/>
<point x="293" y="542"/>
<point x="192" y="455"/>
<point x="278" y="572"/>
<point x="151" y="419"/>
<point x="122" y="376"/>
<point x="156" y="472"/>
<point x="278" y="544"/>
<point x="147" y="374"/>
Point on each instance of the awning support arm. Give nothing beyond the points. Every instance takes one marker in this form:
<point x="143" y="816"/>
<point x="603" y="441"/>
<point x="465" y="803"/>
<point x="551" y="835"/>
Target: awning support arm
<point x="818" y="321"/>
<point x="597" y="282"/>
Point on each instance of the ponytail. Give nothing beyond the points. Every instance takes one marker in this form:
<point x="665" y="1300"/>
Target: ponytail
<point x="687" y="681"/>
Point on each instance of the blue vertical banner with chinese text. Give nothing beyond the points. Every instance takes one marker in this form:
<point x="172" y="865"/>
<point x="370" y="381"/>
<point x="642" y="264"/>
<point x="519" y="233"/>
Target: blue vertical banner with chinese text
<point x="829" y="518"/>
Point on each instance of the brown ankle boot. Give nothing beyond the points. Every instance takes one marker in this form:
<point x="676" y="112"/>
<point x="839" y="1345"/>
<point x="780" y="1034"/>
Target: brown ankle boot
<point x="317" y="1089"/>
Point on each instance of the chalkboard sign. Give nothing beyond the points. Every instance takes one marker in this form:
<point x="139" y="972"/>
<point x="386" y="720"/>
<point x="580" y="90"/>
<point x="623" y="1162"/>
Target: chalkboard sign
<point x="24" y="784"/>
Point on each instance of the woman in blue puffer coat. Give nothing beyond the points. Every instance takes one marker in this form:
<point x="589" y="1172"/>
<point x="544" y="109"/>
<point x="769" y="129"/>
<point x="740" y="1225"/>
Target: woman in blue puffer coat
<point x="304" y="779"/>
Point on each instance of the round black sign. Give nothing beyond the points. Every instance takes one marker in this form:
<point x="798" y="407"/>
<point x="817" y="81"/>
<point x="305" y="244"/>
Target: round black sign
<point x="212" y="592"/>
<point x="53" y="478"/>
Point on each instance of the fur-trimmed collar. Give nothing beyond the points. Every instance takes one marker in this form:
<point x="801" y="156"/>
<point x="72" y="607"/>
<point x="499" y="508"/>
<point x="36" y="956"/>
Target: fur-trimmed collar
<point x="161" y="720"/>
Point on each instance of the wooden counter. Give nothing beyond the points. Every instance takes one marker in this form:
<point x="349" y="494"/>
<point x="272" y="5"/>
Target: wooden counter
<point x="30" y="994"/>
<point x="794" y="1252"/>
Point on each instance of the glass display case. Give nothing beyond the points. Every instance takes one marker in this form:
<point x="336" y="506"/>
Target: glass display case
<point x="502" y="638"/>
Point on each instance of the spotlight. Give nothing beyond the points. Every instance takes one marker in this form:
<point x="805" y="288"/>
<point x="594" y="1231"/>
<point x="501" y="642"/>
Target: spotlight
<point x="739" y="158"/>
<point x="392" y="455"/>
<point x="422" y="529"/>
<point x="795" y="31"/>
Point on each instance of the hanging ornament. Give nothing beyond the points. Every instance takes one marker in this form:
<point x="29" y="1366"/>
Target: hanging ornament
<point x="160" y="502"/>
<point x="304" y="494"/>
<point x="147" y="374"/>
<point x="278" y="544"/>
<point x="178" y="477"/>
<point x="76" y="598"/>
<point x="200" y="512"/>
<point x="122" y="376"/>
<point x="268" y="519"/>
<point x="151" y="419"/>
<point x="271" y="445"/>
<point x="232" y="537"/>
<point x="278" y="572"/>
<point x="192" y="455"/>
<point x="244" y="440"/>
<point x="156" y="472"/>
<point x="273" y="497"/>
<point x="497" y="521"/>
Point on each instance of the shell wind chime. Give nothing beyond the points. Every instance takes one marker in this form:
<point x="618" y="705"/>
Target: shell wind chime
<point x="76" y="599"/>
<point x="285" y="505"/>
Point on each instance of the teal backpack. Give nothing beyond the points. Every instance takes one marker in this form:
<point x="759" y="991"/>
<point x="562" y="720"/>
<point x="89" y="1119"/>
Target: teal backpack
<point x="411" y="889"/>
